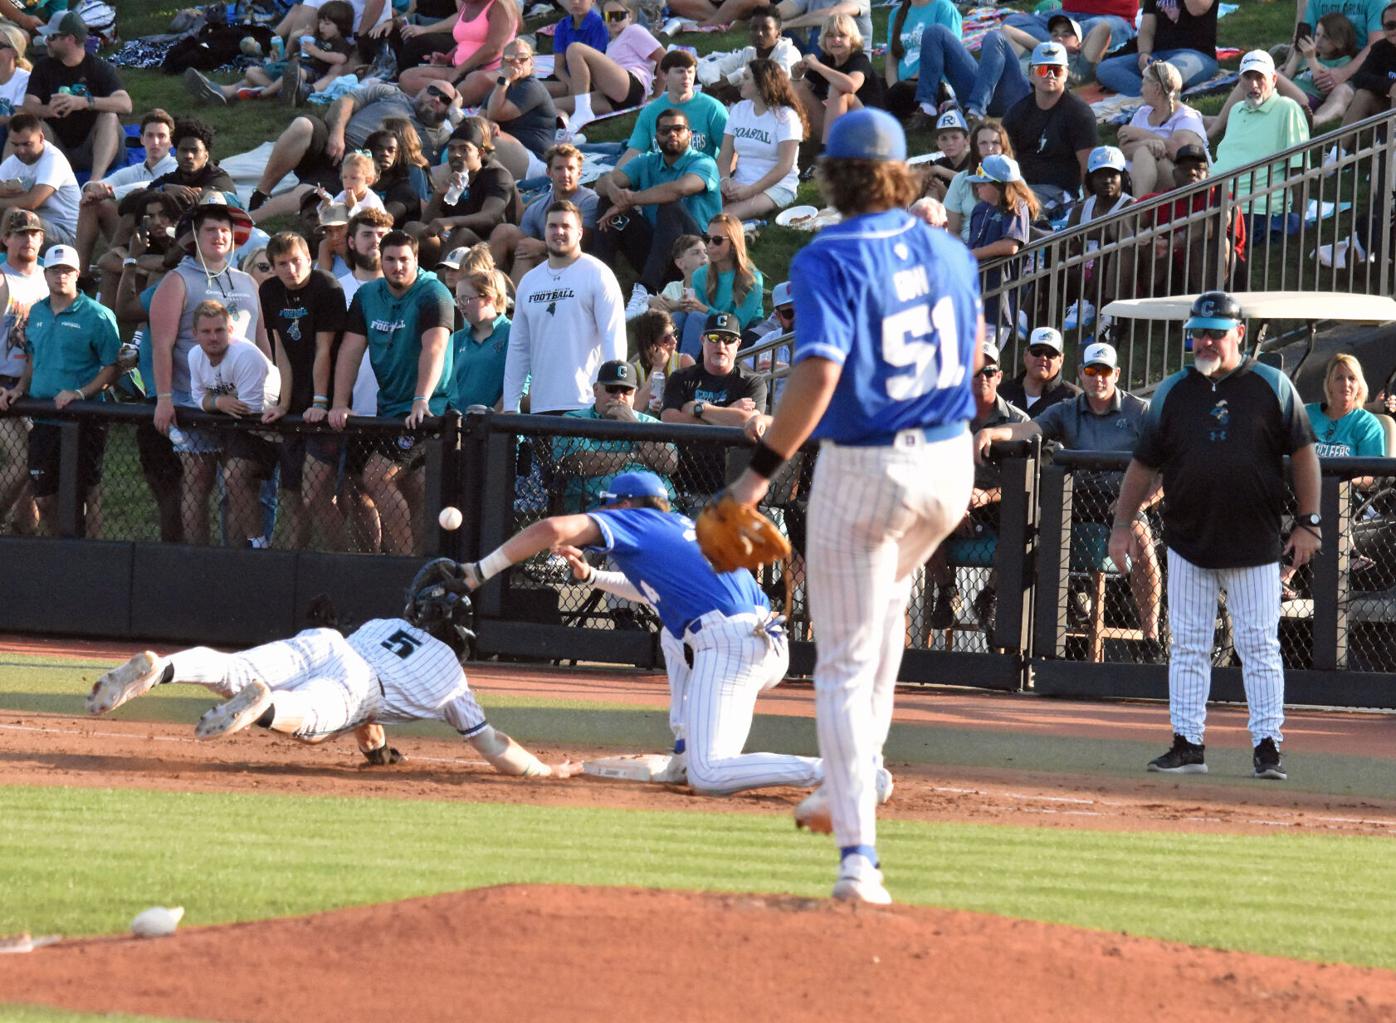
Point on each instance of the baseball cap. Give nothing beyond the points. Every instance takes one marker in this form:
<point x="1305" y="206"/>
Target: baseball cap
<point x="1214" y="310"/>
<point x="952" y="120"/>
<point x="1190" y="152"/>
<point x="1105" y="157"/>
<point x="1100" y="354"/>
<point x="61" y="255"/>
<point x="996" y="169"/>
<point x="724" y="323"/>
<point x="1049" y="336"/>
<point x="1258" y="60"/>
<point x="634" y="484"/>
<point x="1047" y="53"/>
<point x="334" y="214"/>
<point x="454" y="258"/>
<point x="989" y="351"/>
<point x="782" y="294"/>
<point x="23" y="220"/>
<point x="866" y="134"/>
<point x="1075" y="25"/>
<point x="470" y="130"/>
<point x="65" y="23"/>
<point x="616" y="371"/>
<point x="210" y="203"/>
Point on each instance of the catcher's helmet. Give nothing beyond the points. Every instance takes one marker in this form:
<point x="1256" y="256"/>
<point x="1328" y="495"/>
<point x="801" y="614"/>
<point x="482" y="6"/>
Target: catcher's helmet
<point x="437" y="603"/>
<point x="1214" y="310"/>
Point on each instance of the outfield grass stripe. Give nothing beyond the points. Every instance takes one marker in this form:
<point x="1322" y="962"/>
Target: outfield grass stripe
<point x="10" y="1013"/>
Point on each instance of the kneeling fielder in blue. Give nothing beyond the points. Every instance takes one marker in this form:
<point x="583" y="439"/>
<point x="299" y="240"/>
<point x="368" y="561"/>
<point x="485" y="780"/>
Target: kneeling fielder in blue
<point x="722" y="644"/>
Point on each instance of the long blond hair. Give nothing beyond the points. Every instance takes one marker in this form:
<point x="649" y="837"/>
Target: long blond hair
<point x="743" y="280"/>
<point x="1355" y="367"/>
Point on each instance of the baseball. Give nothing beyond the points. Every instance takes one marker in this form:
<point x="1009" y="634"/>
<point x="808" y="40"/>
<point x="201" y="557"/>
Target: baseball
<point x="450" y="518"/>
<point x="157" y="921"/>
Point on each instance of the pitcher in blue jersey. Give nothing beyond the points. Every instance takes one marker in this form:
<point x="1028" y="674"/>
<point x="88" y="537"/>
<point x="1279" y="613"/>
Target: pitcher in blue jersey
<point x="887" y="315"/>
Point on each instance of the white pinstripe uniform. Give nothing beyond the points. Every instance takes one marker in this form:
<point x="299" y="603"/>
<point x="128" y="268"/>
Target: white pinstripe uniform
<point x="384" y="671"/>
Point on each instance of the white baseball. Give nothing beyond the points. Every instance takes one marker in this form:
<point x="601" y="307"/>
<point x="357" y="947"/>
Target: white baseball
<point x="157" y="922"/>
<point x="450" y="518"/>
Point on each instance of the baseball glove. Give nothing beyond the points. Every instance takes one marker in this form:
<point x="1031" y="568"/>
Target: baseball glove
<point x="733" y="536"/>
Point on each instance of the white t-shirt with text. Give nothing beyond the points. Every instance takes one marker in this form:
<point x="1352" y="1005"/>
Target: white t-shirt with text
<point x="757" y="139"/>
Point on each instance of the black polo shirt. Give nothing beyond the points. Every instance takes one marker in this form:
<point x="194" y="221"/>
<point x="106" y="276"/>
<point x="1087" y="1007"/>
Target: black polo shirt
<point x="1220" y="446"/>
<point x="1058" y="389"/>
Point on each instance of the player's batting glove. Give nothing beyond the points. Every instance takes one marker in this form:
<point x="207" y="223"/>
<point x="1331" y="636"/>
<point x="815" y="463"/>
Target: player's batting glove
<point x="384" y="756"/>
<point x="733" y="536"/>
<point x="469" y="572"/>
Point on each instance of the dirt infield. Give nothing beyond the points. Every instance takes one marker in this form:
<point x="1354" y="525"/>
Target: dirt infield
<point x="482" y="954"/>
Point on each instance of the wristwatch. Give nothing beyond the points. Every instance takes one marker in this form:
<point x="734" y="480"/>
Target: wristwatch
<point x="501" y="81"/>
<point x="699" y="407"/>
<point x="1312" y="521"/>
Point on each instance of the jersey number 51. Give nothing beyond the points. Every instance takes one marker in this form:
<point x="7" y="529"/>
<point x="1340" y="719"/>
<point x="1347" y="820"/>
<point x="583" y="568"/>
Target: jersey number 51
<point x="912" y="339"/>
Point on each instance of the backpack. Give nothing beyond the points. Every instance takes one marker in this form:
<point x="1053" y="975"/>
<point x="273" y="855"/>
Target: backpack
<point x="100" y="19"/>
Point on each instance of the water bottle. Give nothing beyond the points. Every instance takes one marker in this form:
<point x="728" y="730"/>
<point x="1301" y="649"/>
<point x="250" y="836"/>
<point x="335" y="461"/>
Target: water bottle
<point x="656" y="390"/>
<point x="457" y="188"/>
<point x="177" y="436"/>
<point x="278" y="48"/>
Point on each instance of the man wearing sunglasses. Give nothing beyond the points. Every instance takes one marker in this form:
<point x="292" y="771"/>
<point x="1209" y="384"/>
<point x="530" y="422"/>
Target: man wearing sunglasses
<point x="1101" y="418"/>
<point x="589" y="464"/>
<point x="1052" y="131"/>
<point x="1041" y="384"/>
<point x="1217" y="435"/>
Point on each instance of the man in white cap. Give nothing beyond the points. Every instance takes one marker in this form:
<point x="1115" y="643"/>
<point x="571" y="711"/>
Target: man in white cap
<point x="1265" y="122"/>
<point x="72" y="344"/>
<point x="1101" y="418"/>
<point x="1041" y="384"/>
<point x="1052" y="131"/>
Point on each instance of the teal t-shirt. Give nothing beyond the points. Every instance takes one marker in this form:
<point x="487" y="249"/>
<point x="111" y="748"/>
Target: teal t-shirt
<point x="1365" y="15"/>
<point x="918" y="19"/>
<point x="649" y="169"/>
<point x="478" y="375"/>
<point x="68" y="349"/>
<point x="1357" y="435"/>
<point x="1305" y="79"/>
<point x="707" y="118"/>
<point x="394" y="326"/>
<point x="752" y="305"/>
<point x="582" y="493"/>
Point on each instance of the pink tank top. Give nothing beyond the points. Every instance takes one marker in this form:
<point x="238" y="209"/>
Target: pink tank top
<point x="470" y="36"/>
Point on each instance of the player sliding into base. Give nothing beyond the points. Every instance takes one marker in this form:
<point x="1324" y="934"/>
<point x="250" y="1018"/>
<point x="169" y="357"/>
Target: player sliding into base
<point x="722" y="644"/>
<point x="321" y="683"/>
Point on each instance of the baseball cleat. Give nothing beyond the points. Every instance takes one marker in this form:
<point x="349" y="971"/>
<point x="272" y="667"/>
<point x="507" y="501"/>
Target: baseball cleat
<point x="134" y="678"/>
<point x="1184" y="758"/>
<point x="860" y="881"/>
<point x="234" y="715"/>
<point x="813" y="811"/>
<point x="1267" y="763"/>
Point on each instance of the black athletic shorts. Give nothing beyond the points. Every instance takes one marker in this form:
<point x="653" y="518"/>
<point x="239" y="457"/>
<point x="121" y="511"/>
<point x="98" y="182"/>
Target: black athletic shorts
<point x="294" y="449"/>
<point x="404" y="449"/>
<point x="45" y="452"/>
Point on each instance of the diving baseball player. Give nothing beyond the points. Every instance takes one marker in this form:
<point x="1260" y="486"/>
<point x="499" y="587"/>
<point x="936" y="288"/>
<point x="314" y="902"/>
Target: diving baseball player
<point x="887" y="315"/>
<point x="321" y="683"/>
<point x="1226" y="418"/>
<point x="722" y="644"/>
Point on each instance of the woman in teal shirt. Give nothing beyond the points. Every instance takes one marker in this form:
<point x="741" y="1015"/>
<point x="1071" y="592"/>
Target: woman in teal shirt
<point x="1342" y="427"/>
<point x="728" y="283"/>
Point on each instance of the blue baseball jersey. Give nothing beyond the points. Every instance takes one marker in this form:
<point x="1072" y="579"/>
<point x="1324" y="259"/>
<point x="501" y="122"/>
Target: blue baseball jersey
<point x="896" y="304"/>
<point x="658" y="552"/>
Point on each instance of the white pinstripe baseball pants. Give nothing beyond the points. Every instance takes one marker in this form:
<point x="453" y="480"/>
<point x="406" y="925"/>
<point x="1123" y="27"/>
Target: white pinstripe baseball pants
<point x="1253" y="598"/>
<point x="711" y="704"/>
<point x="875" y="516"/>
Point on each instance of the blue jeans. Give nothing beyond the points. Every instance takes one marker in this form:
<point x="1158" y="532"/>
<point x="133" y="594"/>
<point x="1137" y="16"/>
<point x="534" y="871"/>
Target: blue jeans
<point x="1121" y="74"/>
<point x="991" y="86"/>
<point x="1035" y="25"/>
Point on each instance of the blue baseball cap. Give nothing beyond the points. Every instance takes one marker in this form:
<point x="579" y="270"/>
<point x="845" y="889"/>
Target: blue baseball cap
<point x="866" y="134"/>
<point x="634" y="484"/>
<point x="996" y="169"/>
<point x="1051" y="54"/>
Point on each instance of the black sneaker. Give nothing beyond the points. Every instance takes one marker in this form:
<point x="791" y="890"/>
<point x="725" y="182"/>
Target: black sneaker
<point x="986" y="609"/>
<point x="1184" y="758"/>
<point x="1267" y="762"/>
<point x="947" y="607"/>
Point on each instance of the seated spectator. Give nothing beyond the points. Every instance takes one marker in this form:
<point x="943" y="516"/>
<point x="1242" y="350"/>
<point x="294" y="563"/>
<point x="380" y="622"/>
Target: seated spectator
<point x="401" y="184"/>
<point x="1342" y="427"/>
<point x="482" y="29"/>
<point x="1053" y="131"/>
<point x="14" y="73"/>
<point x="460" y="214"/>
<point x="327" y="224"/>
<point x="1159" y="128"/>
<point x="726" y="283"/>
<point x="71" y="348"/>
<point x="1368" y="21"/>
<point x="998" y="228"/>
<point x="761" y="144"/>
<point x="1041" y="384"/>
<point x="195" y="171"/>
<point x="1084" y="49"/>
<point x="705" y="116"/>
<point x="1101" y="418"/>
<point x="587" y="464"/>
<point x="1118" y="15"/>
<point x="313" y="147"/>
<point x="519" y="248"/>
<point x="722" y="78"/>
<point x="1182" y="33"/>
<point x="657" y="357"/>
<point x="989" y="139"/>
<point x="987" y="87"/>
<point x="1265" y="123"/>
<point x="689" y="252"/>
<point x="1371" y="76"/>
<point x="803" y="19"/>
<point x="952" y="138"/>
<point x="982" y="517"/>
<point x="38" y="177"/>
<point x="1185" y="260"/>
<point x="1097" y="282"/>
<point x="656" y="197"/>
<point x="316" y="62"/>
<point x="838" y="78"/>
<point x="901" y="64"/>
<point x="583" y="24"/>
<point x="97" y="213"/>
<point x="616" y="78"/>
<point x="482" y="345"/>
<point x="234" y="377"/>
<point x="522" y="108"/>
<point x="1333" y="45"/>
<point x="358" y="173"/>
<point x="716" y="391"/>
<point x="156" y="214"/>
<point x="79" y="96"/>
<point x="371" y="17"/>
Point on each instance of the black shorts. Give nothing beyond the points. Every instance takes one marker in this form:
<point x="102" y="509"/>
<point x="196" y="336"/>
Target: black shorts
<point x="316" y="168"/>
<point x="159" y="463"/>
<point x="45" y="451"/>
<point x="635" y="96"/>
<point x="262" y="453"/>
<point x="294" y="448"/>
<point x="403" y="449"/>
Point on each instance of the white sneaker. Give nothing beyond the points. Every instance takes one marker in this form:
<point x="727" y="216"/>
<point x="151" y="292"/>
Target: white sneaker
<point x="639" y="301"/>
<point x="134" y="678"/>
<point x="671" y="27"/>
<point x="860" y="881"/>
<point x="236" y="714"/>
<point x="813" y="811"/>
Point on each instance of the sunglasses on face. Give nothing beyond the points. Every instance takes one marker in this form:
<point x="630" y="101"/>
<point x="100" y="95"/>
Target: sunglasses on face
<point x="671" y="129"/>
<point x="786" y="313"/>
<point x="716" y="239"/>
<point x="618" y="389"/>
<point x="987" y="372"/>
<point x="1048" y="71"/>
<point x="438" y="94"/>
<point x="1043" y="352"/>
<point x="1097" y="371"/>
<point x="617" y="15"/>
<point x="720" y="339"/>
<point x="1209" y="334"/>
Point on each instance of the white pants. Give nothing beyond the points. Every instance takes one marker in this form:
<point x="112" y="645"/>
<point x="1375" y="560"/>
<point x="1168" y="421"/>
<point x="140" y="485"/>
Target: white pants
<point x="315" y="673"/>
<point x="711" y="704"/>
<point x="1253" y="598"/>
<point x="875" y="515"/>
